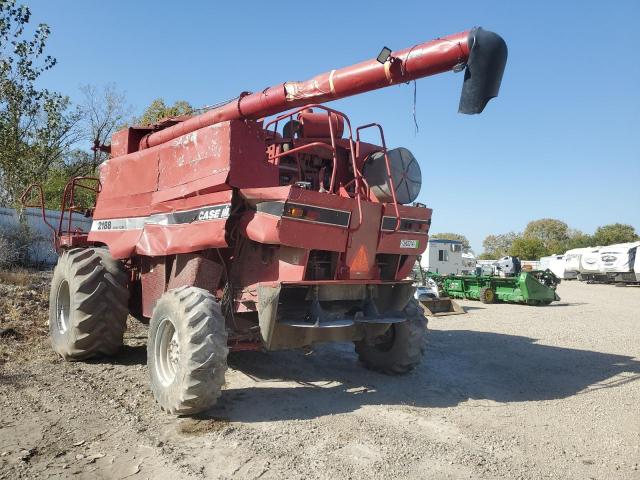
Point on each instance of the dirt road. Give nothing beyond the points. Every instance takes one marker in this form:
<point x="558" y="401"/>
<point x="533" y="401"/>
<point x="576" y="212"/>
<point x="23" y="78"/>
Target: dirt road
<point x="506" y="391"/>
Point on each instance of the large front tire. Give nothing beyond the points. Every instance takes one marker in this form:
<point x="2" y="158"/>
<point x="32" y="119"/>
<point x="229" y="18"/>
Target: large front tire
<point x="401" y="348"/>
<point x="187" y="351"/>
<point x="88" y="304"/>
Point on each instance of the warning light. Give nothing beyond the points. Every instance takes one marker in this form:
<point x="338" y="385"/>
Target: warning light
<point x="296" y="212"/>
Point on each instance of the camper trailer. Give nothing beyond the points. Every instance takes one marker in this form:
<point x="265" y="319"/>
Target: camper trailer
<point x="443" y="257"/>
<point x="558" y="264"/>
<point x="468" y="263"/>
<point x="572" y="261"/>
<point x="591" y="266"/>
<point x="618" y="262"/>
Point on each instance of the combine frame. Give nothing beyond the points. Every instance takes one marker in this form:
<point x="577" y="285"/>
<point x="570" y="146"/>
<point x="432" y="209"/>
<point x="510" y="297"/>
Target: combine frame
<point x="224" y="232"/>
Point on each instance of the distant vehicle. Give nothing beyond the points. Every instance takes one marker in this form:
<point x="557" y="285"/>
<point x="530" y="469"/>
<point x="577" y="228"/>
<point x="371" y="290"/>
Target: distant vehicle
<point x="508" y="266"/>
<point x="485" y="269"/>
<point x="468" y="263"/>
<point x="425" y="292"/>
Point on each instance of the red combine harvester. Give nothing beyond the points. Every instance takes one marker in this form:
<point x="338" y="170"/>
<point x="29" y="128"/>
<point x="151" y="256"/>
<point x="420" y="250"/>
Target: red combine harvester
<point x="225" y="231"/>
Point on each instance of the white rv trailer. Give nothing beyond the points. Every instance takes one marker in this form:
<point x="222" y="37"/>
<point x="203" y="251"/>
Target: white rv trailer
<point x="591" y="266"/>
<point x="443" y="257"/>
<point x="572" y="260"/>
<point x="558" y="265"/>
<point x="468" y="263"/>
<point x="618" y="262"/>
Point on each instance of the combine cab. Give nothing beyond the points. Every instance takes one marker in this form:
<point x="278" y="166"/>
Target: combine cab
<point x="224" y="231"/>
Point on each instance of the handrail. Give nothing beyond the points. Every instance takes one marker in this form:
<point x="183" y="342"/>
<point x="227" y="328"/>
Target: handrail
<point x="68" y="196"/>
<point x="356" y="172"/>
<point x="387" y="164"/>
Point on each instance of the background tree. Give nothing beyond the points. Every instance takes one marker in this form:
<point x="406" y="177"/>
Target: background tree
<point x="551" y="232"/>
<point x="496" y="246"/>
<point x="159" y="110"/>
<point x="104" y="111"/>
<point x="528" y="248"/>
<point x="37" y="126"/>
<point x="577" y="239"/>
<point x="466" y="247"/>
<point x="74" y="163"/>
<point x="614" y="233"/>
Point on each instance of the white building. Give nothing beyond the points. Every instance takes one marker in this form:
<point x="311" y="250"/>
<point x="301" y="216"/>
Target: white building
<point x="443" y="257"/>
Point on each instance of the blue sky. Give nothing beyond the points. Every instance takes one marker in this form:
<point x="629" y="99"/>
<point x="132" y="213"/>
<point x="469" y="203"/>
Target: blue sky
<point x="561" y="141"/>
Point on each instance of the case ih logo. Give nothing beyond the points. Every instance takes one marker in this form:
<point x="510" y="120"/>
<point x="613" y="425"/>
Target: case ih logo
<point x="221" y="211"/>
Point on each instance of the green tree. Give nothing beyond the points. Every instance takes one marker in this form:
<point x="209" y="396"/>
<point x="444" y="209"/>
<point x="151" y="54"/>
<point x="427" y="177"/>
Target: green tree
<point x="159" y="110"/>
<point x="528" y="248"/>
<point x="577" y="239"/>
<point x="75" y="163"/>
<point x="614" y="233"/>
<point x="496" y="246"/>
<point x="453" y="236"/>
<point x="551" y="232"/>
<point x="36" y="126"/>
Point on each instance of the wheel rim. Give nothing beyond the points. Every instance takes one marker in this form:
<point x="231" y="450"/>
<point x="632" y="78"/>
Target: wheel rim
<point x="489" y="295"/>
<point x="166" y="352"/>
<point x="63" y="307"/>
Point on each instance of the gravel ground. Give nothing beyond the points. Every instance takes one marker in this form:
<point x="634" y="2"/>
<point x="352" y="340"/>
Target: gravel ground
<point x="506" y="391"/>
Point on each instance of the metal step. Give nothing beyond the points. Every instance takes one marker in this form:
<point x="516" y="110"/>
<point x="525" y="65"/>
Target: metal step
<point x="324" y="324"/>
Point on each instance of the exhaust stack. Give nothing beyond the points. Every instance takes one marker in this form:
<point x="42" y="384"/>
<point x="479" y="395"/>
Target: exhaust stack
<point x="482" y="54"/>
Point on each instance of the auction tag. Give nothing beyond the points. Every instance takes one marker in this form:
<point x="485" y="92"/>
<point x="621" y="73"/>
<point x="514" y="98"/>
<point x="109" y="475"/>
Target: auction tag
<point x="409" y="243"/>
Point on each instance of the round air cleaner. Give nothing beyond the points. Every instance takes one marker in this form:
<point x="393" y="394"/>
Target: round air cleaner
<point x="405" y="171"/>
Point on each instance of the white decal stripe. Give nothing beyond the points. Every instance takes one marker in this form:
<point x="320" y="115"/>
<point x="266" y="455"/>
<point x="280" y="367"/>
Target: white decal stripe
<point x="201" y="214"/>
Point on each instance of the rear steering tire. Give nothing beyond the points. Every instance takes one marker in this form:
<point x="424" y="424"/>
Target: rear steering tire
<point x="88" y="304"/>
<point x="187" y="351"/>
<point x="401" y="348"/>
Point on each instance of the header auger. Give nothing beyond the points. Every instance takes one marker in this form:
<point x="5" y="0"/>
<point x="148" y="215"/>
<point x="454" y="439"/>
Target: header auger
<point x="230" y="230"/>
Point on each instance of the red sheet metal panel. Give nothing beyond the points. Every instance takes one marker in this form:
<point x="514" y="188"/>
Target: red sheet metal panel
<point x="195" y="270"/>
<point x="168" y="240"/>
<point x="180" y="226"/>
<point x="152" y="277"/>
<point x="412" y="236"/>
<point x="363" y="240"/>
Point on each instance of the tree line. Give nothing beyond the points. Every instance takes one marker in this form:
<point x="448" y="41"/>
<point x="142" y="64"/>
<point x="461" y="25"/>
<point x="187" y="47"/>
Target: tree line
<point x="546" y="236"/>
<point x="44" y="137"/>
